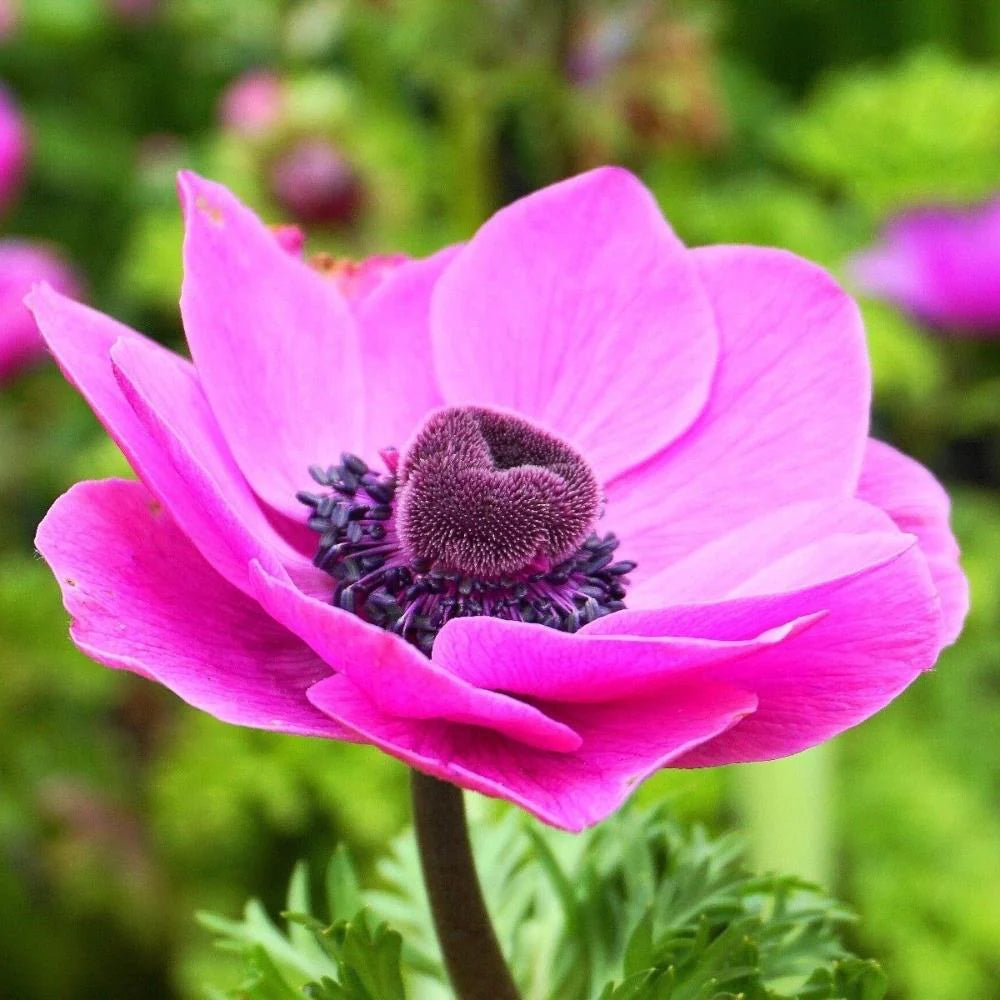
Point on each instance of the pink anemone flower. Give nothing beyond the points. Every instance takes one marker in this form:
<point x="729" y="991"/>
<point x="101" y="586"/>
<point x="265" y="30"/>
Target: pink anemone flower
<point x="537" y="515"/>
<point x="942" y="265"/>
<point x="22" y="265"/>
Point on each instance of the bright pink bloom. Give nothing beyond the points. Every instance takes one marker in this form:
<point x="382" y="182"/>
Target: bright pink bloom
<point x="23" y="265"/>
<point x="784" y="577"/>
<point x="253" y="103"/>
<point x="941" y="265"/>
<point x="13" y="148"/>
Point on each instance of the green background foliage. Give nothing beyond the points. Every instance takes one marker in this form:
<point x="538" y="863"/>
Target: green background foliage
<point x="788" y="123"/>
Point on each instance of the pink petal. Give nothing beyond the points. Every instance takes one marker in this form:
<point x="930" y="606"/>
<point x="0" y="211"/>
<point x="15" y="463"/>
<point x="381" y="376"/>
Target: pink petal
<point x="394" y="323"/>
<point x="274" y="344"/>
<point x="548" y="665"/>
<point x="81" y="339"/>
<point x="142" y="599"/>
<point x="881" y="630"/>
<point x="800" y="583"/>
<point x="185" y="464"/>
<point x="211" y="500"/>
<point x="712" y="572"/>
<point x="786" y="421"/>
<point x="915" y="500"/>
<point x="399" y="680"/>
<point x="623" y="743"/>
<point x="579" y="308"/>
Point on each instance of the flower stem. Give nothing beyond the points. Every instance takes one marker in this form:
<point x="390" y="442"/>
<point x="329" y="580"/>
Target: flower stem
<point x="471" y="953"/>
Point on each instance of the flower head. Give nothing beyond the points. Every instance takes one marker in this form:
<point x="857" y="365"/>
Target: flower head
<point x="10" y="17"/>
<point x="13" y="148"/>
<point x="253" y="104"/>
<point x="538" y="515"/>
<point x="940" y="265"/>
<point x="135" y="12"/>
<point x="23" y="265"/>
<point x="314" y="182"/>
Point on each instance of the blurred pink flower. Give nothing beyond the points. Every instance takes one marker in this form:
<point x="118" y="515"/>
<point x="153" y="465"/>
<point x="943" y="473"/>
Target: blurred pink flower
<point x="635" y="522"/>
<point x="942" y="265"/>
<point x="252" y="104"/>
<point x="314" y="182"/>
<point x="22" y="265"/>
<point x="135" y="11"/>
<point x="13" y="148"/>
<point x="10" y="17"/>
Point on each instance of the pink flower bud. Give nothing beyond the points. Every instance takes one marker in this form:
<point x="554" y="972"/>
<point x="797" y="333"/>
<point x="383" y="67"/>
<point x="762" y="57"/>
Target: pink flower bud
<point x="10" y="17"/>
<point x="315" y="183"/>
<point x="252" y="104"/>
<point x="13" y="148"/>
<point x="134" y="11"/>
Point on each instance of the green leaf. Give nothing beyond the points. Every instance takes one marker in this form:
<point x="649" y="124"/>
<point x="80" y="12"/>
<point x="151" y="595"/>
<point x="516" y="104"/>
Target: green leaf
<point x="343" y="893"/>
<point x="925" y="129"/>
<point x="636" y="909"/>
<point x="639" y="950"/>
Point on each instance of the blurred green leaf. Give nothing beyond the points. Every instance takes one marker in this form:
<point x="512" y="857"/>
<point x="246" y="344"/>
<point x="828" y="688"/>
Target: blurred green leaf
<point x="925" y="129"/>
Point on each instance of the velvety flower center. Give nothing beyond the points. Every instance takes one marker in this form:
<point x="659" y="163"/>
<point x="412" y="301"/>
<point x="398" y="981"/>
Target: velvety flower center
<point x="483" y="514"/>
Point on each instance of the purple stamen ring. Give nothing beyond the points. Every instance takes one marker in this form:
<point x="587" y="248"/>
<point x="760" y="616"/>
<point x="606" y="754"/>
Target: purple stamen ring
<point x="483" y="514"/>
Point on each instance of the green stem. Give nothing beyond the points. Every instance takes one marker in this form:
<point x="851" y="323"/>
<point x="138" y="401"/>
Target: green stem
<point x="787" y="808"/>
<point x="471" y="953"/>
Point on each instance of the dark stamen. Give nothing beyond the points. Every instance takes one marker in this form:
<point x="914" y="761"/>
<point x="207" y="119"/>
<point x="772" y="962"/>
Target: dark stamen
<point x="560" y="579"/>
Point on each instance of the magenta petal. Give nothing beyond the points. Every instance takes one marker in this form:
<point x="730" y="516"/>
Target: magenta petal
<point x="548" y="665"/>
<point x="142" y="599"/>
<point x="786" y="421"/>
<point x="796" y="585"/>
<point x="399" y="680"/>
<point x="623" y="743"/>
<point x="395" y="340"/>
<point x="185" y="464"/>
<point x="880" y="631"/>
<point x="915" y="500"/>
<point x="81" y="340"/>
<point x="712" y="572"/>
<point x="215" y="506"/>
<point x="579" y="308"/>
<point x="274" y="343"/>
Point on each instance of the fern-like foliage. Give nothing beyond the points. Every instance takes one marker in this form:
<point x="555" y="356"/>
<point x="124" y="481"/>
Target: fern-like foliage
<point x="637" y="909"/>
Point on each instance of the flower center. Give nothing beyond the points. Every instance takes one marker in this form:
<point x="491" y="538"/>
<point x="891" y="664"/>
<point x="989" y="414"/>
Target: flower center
<point x="483" y="514"/>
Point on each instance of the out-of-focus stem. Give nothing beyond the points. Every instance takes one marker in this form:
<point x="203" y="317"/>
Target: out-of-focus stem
<point x="787" y="810"/>
<point x="471" y="953"/>
<point x="470" y="126"/>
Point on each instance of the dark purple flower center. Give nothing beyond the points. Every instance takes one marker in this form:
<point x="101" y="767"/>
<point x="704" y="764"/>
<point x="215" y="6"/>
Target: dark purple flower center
<point x="484" y="514"/>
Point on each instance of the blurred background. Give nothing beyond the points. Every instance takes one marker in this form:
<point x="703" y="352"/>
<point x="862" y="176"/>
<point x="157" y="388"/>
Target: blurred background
<point x="387" y="126"/>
